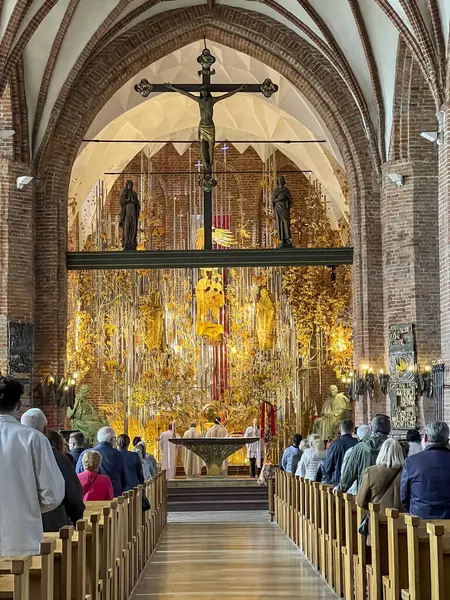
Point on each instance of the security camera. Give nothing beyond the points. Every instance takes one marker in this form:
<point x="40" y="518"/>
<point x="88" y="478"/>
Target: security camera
<point x="431" y="136"/>
<point x="6" y="133"/>
<point x="23" y="181"/>
<point x="397" y="178"/>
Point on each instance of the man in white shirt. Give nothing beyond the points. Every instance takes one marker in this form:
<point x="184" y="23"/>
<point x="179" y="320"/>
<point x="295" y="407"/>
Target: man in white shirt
<point x="31" y="482"/>
<point x="254" y="450"/>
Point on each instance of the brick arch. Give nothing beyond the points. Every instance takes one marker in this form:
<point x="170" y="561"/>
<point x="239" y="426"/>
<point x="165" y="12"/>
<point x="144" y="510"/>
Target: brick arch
<point x="112" y="66"/>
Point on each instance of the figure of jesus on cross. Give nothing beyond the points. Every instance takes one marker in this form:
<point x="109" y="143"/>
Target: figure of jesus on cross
<point x="206" y="129"/>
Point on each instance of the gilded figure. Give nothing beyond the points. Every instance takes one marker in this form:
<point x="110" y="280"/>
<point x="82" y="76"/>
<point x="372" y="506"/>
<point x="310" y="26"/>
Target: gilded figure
<point x="336" y="407"/>
<point x="265" y="320"/>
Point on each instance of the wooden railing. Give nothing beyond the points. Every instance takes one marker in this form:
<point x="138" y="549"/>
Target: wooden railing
<point x="407" y="559"/>
<point x="99" y="559"/>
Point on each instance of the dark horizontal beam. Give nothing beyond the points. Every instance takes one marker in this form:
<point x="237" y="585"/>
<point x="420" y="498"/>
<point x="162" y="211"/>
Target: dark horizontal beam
<point x="184" y="259"/>
<point x="211" y="87"/>
<point x="194" y="141"/>
<point x="298" y="172"/>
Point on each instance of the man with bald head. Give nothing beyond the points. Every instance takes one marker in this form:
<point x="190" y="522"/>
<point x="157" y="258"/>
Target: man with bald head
<point x="72" y="507"/>
<point x="113" y="462"/>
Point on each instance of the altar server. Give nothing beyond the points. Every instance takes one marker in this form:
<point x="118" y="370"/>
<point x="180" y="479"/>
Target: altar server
<point x="218" y="431"/>
<point x="192" y="463"/>
<point x="254" y="450"/>
<point x="169" y="451"/>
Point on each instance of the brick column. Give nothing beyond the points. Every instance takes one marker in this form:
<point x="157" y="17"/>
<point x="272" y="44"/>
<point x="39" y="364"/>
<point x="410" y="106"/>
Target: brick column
<point x="17" y="218"/>
<point x="410" y="254"/>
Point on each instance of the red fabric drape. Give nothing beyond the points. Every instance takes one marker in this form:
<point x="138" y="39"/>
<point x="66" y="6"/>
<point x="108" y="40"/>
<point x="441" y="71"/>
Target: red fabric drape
<point x="270" y="409"/>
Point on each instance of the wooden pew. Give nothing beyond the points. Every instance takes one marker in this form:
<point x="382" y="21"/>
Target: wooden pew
<point x="397" y="577"/>
<point x="338" y="543"/>
<point x="419" y="583"/>
<point x="351" y="532"/>
<point x="330" y="535"/>
<point x="378" y="566"/>
<point x="439" y="560"/>
<point x="315" y="524"/>
<point x="360" y="559"/>
<point x="15" y="578"/>
<point x="301" y="513"/>
<point x="322" y="528"/>
<point x="101" y="560"/>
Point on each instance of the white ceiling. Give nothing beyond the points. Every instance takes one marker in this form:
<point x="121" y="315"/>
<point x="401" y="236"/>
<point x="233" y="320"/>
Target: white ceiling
<point x="170" y="116"/>
<point x="337" y="16"/>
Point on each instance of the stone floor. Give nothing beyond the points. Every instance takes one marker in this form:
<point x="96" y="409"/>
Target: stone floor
<point x="236" y="555"/>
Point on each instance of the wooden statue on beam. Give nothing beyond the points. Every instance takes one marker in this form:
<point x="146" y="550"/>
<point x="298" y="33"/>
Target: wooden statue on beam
<point x="129" y="216"/>
<point x="282" y="202"/>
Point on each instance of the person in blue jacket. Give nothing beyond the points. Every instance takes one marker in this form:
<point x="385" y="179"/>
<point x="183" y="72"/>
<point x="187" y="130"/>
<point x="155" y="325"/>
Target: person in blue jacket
<point x="132" y="460"/>
<point x="113" y="462"/>
<point x="425" y="486"/>
<point x="292" y="455"/>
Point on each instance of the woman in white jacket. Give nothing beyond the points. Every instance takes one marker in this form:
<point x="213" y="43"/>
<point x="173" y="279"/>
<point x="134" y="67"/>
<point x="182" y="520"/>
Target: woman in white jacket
<point x="311" y="458"/>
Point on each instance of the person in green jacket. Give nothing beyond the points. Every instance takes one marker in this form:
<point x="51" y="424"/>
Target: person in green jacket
<point x="365" y="453"/>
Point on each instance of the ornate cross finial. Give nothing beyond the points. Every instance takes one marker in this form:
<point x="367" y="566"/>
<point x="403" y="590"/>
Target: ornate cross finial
<point x="267" y="88"/>
<point x="144" y="87"/>
<point x="206" y="60"/>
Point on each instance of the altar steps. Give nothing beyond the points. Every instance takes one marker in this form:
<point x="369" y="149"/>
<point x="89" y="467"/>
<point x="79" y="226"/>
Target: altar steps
<point x="183" y="497"/>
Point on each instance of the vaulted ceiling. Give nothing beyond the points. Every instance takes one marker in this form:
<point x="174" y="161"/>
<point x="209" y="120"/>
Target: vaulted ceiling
<point x="48" y="40"/>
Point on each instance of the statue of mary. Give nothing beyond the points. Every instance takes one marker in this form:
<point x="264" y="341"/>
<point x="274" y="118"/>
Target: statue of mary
<point x="129" y="216"/>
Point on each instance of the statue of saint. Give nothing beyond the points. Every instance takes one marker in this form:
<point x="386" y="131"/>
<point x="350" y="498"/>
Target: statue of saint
<point x="82" y="416"/>
<point x="265" y="319"/>
<point x="282" y="202"/>
<point x="336" y="407"/>
<point x="154" y="313"/>
<point x="210" y="298"/>
<point x="206" y="129"/>
<point x="129" y="216"/>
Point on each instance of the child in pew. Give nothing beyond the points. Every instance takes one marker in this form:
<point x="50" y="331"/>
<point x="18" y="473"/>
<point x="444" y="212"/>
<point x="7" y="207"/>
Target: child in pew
<point x="95" y="486"/>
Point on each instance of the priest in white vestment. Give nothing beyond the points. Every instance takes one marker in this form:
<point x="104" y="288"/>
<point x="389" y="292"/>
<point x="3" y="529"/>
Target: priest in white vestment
<point x="218" y="431"/>
<point x="30" y="480"/>
<point x="169" y="451"/>
<point x="191" y="462"/>
<point x="255" y="449"/>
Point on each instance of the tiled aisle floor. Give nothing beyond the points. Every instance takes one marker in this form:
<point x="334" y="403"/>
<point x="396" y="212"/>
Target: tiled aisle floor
<point x="235" y="555"/>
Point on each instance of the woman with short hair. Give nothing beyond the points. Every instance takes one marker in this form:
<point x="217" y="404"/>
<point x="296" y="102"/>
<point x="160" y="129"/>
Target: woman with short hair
<point x="95" y="486"/>
<point x="381" y="482"/>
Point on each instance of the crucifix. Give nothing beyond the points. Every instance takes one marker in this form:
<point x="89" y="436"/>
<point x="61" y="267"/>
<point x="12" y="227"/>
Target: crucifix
<point x="206" y="129"/>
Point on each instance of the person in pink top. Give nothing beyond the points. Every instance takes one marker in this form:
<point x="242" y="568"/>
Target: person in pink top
<point x="95" y="486"/>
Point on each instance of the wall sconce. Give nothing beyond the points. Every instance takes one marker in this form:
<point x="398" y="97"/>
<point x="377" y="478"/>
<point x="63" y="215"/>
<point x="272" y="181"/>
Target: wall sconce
<point x="62" y="394"/>
<point x="425" y="382"/>
<point x="383" y="382"/>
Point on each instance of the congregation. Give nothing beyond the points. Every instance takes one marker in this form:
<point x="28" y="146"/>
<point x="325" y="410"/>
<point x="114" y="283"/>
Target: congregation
<point x="47" y="484"/>
<point x="411" y="476"/>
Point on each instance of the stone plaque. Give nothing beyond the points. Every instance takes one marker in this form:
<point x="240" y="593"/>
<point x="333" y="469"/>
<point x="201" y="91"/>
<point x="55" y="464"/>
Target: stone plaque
<point x="402" y="376"/>
<point x="20" y="356"/>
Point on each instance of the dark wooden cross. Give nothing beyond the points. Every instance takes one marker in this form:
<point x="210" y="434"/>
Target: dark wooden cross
<point x="206" y="130"/>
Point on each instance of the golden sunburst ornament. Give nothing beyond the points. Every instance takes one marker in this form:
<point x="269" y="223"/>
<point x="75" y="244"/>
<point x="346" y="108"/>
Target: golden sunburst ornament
<point x="223" y="237"/>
